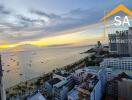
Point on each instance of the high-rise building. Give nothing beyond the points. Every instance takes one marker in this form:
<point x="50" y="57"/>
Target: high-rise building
<point x="130" y="41"/>
<point x="0" y="71"/>
<point x="115" y="66"/>
<point x="0" y="80"/>
<point x="119" y="87"/>
<point x="121" y="42"/>
<point x="2" y="91"/>
<point x="112" y="43"/>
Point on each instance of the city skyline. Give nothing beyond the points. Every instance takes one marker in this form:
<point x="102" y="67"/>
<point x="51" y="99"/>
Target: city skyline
<point x="65" y="49"/>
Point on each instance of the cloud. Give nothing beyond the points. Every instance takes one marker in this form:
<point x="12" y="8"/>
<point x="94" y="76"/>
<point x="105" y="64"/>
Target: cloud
<point x="22" y="28"/>
<point x="72" y="19"/>
<point x="16" y="27"/>
<point x="40" y="13"/>
<point x="28" y="22"/>
<point x="4" y="11"/>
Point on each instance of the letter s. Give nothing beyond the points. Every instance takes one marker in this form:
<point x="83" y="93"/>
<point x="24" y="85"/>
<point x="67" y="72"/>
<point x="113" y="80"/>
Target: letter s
<point x="117" y="21"/>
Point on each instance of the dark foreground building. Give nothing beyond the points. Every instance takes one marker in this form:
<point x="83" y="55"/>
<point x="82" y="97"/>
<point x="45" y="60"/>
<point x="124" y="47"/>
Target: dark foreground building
<point x="2" y="91"/>
<point x="121" y="42"/>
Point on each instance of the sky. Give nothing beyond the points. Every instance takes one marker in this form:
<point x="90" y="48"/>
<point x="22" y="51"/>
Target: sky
<point x="53" y="22"/>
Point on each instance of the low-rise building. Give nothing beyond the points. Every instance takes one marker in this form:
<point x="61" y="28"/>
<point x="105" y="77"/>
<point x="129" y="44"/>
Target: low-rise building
<point x="49" y="85"/>
<point x="100" y="72"/>
<point x="61" y="89"/>
<point x="89" y="89"/>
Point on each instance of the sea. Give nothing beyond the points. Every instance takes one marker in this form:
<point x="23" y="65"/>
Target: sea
<point x="25" y="65"/>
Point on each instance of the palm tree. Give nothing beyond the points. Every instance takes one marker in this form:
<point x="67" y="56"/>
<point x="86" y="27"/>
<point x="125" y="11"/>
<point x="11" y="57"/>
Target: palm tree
<point x="7" y="93"/>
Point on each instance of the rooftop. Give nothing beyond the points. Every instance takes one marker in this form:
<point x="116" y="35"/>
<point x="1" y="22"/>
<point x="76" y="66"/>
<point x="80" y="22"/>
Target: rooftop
<point x="62" y="73"/>
<point x="61" y="84"/>
<point x="93" y="69"/>
<point x="90" y="80"/>
<point x="36" y="96"/>
<point x="119" y="58"/>
<point x="86" y="87"/>
<point x="53" y="81"/>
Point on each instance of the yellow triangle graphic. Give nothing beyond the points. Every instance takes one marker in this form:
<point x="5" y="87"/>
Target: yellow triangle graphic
<point x="119" y="8"/>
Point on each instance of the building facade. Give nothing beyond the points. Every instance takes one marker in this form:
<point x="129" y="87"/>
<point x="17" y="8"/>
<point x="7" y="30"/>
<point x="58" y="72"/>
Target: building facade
<point x="112" y="43"/>
<point x="61" y="89"/>
<point x="48" y="85"/>
<point x="119" y="87"/>
<point x="100" y="72"/>
<point x="124" y="63"/>
<point x="130" y="40"/>
<point x="121" y="42"/>
<point x="125" y="88"/>
<point x="2" y="90"/>
<point x="89" y="89"/>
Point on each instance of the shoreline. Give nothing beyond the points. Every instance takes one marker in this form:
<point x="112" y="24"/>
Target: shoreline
<point x="35" y="64"/>
<point x="48" y="75"/>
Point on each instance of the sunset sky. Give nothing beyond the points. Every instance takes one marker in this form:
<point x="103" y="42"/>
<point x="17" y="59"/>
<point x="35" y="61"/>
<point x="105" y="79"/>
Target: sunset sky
<point x="53" y="22"/>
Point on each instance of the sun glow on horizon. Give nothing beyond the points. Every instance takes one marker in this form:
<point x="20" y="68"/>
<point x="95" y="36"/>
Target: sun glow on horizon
<point x="56" y="40"/>
<point x="83" y="36"/>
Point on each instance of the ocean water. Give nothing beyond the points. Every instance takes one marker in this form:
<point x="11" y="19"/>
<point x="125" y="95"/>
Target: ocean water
<point x="22" y="66"/>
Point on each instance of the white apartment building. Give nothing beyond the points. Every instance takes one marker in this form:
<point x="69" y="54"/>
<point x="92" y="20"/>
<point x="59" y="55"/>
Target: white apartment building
<point x="115" y="66"/>
<point x="97" y="70"/>
<point x="123" y="63"/>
